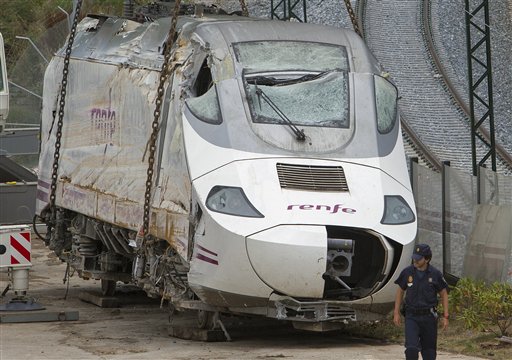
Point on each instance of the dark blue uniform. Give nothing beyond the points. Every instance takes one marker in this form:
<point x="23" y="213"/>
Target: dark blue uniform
<point x="421" y="288"/>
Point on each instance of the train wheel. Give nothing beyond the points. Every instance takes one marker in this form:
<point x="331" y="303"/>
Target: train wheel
<point x="205" y="319"/>
<point x="108" y="287"/>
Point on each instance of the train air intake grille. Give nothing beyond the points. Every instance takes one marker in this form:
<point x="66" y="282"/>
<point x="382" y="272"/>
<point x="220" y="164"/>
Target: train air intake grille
<point x="312" y="178"/>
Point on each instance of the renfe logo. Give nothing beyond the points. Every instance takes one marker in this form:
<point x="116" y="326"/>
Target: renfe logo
<point x="335" y="208"/>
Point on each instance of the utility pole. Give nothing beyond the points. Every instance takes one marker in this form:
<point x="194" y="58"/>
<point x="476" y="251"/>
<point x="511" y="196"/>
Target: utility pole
<point x="288" y="9"/>
<point x="478" y="41"/>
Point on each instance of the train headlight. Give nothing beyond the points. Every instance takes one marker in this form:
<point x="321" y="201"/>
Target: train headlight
<point x="396" y="211"/>
<point x="231" y="201"/>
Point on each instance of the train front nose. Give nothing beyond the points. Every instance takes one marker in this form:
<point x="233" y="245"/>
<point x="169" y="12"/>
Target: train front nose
<point x="291" y="259"/>
<point x="321" y="262"/>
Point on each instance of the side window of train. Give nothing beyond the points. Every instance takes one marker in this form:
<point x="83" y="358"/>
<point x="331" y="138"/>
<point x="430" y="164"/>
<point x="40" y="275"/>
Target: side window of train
<point x="204" y="79"/>
<point x="205" y="104"/>
<point x="386" y="96"/>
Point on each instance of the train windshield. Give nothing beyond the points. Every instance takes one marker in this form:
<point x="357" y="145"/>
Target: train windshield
<point x="306" y="82"/>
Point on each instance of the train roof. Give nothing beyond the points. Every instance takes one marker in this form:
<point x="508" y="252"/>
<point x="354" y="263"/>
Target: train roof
<point x="129" y="43"/>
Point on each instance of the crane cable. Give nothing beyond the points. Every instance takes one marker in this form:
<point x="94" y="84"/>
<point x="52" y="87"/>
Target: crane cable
<point x="58" y="132"/>
<point x="353" y="18"/>
<point x="164" y="73"/>
<point x="245" y="10"/>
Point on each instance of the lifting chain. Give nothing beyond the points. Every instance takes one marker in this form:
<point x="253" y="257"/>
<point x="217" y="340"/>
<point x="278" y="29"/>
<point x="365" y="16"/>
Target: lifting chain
<point x="62" y="102"/>
<point x="155" y="125"/>
<point x="245" y="10"/>
<point x="353" y="17"/>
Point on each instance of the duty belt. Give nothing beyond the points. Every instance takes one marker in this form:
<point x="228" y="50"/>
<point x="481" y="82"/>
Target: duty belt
<point x="421" y="311"/>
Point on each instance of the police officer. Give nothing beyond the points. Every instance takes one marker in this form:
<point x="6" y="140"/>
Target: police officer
<point x="421" y="282"/>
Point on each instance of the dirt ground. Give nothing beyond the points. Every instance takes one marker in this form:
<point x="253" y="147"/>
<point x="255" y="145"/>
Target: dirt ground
<point x="140" y="331"/>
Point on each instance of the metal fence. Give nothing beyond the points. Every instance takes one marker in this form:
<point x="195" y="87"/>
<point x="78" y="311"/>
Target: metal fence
<point x="467" y="220"/>
<point x="427" y="186"/>
<point x="26" y="76"/>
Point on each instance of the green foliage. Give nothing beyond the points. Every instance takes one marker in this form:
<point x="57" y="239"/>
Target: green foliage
<point x="110" y="7"/>
<point x="32" y="18"/>
<point x="483" y="306"/>
<point x="17" y="15"/>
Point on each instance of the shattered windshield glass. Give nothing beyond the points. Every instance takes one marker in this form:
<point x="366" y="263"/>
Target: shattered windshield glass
<point x="386" y="98"/>
<point x="206" y="107"/>
<point x="259" y="56"/>
<point x="319" y="102"/>
<point x="308" y="82"/>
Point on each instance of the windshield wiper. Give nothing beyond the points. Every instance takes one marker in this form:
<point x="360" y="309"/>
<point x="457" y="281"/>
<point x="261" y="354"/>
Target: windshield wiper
<point x="299" y="134"/>
<point x="263" y="80"/>
<point x="304" y="78"/>
<point x="272" y="81"/>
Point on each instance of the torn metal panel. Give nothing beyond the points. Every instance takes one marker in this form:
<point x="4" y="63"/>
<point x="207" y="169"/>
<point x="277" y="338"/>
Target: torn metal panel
<point x="121" y="41"/>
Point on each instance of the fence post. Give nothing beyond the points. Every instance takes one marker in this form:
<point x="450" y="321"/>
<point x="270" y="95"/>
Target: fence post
<point x="488" y="191"/>
<point x="445" y="196"/>
<point x="413" y="165"/>
<point x="480" y="184"/>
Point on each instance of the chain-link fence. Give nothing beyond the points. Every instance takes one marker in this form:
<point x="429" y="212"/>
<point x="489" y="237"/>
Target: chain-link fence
<point x="429" y="206"/>
<point x="459" y="217"/>
<point x="26" y="76"/>
<point x="489" y="250"/>
<point x="467" y="220"/>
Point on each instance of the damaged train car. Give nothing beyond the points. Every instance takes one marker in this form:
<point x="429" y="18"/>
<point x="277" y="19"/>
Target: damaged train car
<point x="280" y="188"/>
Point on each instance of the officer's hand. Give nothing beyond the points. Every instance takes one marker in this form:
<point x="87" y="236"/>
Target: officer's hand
<point x="396" y="318"/>
<point x="444" y="323"/>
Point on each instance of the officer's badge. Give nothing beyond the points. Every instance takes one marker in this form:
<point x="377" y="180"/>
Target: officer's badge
<point x="409" y="281"/>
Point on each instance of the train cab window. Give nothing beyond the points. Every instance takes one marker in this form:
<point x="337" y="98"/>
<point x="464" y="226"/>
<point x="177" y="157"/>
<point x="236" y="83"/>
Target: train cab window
<point x="205" y="106"/>
<point x="386" y="96"/>
<point x="256" y="56"/>
<point x="306" y="82"/>
<point x="204" y="79"/>
<point x="308" y="99"/>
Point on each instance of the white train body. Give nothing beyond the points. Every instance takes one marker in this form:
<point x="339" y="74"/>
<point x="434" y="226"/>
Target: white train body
<point x="245" y="216"/>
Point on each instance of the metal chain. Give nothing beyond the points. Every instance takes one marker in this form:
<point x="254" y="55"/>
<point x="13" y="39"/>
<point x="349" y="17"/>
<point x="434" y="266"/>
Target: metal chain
<point x="62" y="102"/>
<point x="245" y="10"/>
<point x="155" y="125"/>
<point x="353" y="17"/>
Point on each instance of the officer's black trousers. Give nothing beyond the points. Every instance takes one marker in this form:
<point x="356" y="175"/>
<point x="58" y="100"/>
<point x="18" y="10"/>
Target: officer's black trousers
<point x="420" y="336"/>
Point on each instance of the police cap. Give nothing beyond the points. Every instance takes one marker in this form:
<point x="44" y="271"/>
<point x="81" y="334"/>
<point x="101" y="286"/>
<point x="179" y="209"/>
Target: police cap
<point x="421" y="251"/>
